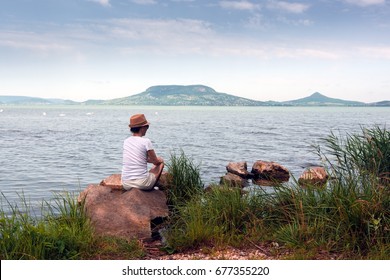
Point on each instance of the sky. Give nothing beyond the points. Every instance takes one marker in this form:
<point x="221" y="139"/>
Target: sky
<point x="262" y="50"/>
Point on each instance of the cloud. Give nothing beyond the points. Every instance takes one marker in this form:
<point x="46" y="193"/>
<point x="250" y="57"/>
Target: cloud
<point x="105" y="3"/>
<point x="158" y="28"/>
<point x="297" y="53"/>
<point x="295" y="22"/>
<point x="239" y="5"/>
<point x="365" y="3"/>
<point x="144" y="2"/>
<point x="171" y="37"/>
<point x="295" y="8"/>
<point x="257" y="21"/>
<point x="134" y="35"/>
<point x="196" y="37"/>
<point x="174" y="36"/>
<point x="375" y="52"/>
<point x="32" y="42"/>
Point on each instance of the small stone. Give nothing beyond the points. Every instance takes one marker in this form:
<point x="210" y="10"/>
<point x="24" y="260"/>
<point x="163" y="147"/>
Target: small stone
<point x="314" y="176"/>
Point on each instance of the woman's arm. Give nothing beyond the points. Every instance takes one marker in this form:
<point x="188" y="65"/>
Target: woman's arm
<point x="152" y="158"/>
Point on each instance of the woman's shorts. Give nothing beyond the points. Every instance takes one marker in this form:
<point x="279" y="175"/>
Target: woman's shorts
<point x="146" y="183"/>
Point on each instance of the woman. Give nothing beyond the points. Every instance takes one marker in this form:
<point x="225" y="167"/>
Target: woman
<point x="137" y="153"/>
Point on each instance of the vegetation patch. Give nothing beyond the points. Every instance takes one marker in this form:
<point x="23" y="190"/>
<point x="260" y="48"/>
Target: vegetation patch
<point x="349" y="218"/>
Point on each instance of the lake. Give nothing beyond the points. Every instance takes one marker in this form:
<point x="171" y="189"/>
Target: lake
<point x="46" y="149"/>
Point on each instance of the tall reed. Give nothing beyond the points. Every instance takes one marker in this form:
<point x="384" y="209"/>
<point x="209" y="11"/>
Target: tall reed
<point x="351" y="216"/>
<point x="185" y="180"/>
<point x="364" y="154"/>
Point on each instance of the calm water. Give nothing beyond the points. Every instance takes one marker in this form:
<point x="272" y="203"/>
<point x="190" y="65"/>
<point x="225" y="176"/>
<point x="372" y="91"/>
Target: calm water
<point x="49" y="149"/>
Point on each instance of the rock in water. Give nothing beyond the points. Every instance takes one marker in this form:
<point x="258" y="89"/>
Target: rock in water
<point x="239" y="168"/>
<point x="313" y="176"/>
<point x="270" y="170"/>
<point x="233" y="180"/>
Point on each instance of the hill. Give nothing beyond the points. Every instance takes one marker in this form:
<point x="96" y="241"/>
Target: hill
<point x="317" y="99"/>
<point x="27" y="100"/>
<point x="192" y="95"/>
<point x="384" y="103"/>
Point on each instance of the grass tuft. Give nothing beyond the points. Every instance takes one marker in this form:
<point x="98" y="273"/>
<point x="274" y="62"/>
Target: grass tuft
<point x="185" y="181"/>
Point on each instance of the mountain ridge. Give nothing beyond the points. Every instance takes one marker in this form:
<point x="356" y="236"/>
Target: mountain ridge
<point x="189" y="95"/>
<point x="318" y="99"/>
<point x="178" y="95"/>
<point x="26" y="100"/>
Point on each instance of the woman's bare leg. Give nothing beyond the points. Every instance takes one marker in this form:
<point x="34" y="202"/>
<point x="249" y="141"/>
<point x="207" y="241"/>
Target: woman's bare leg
<point x="157" y="170"/>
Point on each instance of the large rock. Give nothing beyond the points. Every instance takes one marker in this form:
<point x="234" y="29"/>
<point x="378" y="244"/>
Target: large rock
<point x="239" y="168"/>
<point x="313" y="176"/>
<point x="126" y="214"/>
<point x="114" y="182"/>
<point x="269" y="170"/>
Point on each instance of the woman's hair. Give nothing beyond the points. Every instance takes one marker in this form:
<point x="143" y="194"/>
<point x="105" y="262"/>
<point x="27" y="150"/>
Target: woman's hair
<point x="135" y="129"/>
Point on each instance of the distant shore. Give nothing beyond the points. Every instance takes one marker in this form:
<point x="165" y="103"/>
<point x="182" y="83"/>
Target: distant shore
<point x="192" y="95"/>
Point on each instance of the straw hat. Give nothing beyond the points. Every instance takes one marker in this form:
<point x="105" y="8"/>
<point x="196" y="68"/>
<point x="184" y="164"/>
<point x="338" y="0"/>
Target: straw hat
<point x="138" y="120"/>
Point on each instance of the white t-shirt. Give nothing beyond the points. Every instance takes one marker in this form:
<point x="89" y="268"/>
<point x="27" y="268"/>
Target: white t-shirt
<point x="134" y="164"/>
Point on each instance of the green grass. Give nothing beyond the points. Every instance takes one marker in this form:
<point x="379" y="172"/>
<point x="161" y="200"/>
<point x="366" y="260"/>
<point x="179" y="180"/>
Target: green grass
<point x="219" y="217"/>
<point x="185" y="180"/>
<point x="364" y="155"/>
<point x="352" y="220"/>
<point x="349" y="218"/>
<point x="62" y="231"/>
<point x="114" y="248"/>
